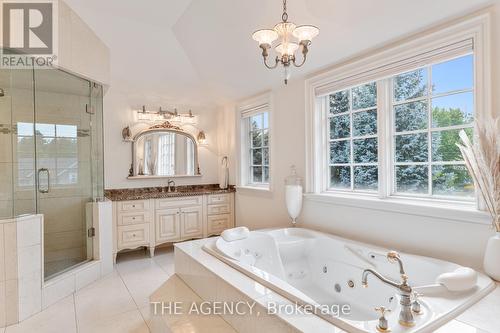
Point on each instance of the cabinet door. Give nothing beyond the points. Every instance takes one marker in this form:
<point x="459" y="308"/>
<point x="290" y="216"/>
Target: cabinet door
<point x="167" y="223"/>
<point x="192" y="222"/>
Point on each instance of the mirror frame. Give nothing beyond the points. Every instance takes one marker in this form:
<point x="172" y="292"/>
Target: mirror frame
<point x="165" y="127"/>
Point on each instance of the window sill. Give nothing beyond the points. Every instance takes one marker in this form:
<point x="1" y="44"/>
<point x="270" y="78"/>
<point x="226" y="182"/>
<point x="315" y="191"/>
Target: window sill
<point x="463" y="212"/>
<point x="253" y="189"/>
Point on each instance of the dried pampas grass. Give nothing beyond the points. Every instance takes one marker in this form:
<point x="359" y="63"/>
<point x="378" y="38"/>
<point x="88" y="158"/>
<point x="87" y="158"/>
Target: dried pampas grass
<point x="483" y="162"/>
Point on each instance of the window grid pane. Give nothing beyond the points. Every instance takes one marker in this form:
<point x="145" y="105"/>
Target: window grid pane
<point x="353" y="139"/>
<point x="447" y="112"/>
<point x="58" y="150"/>
<point x="258" y="153"/>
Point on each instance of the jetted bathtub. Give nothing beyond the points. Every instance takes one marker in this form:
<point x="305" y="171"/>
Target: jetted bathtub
<point x="323" y="271"/>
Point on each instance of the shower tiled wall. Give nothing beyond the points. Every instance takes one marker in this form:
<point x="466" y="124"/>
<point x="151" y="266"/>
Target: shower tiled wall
<point x="20" y="268"/>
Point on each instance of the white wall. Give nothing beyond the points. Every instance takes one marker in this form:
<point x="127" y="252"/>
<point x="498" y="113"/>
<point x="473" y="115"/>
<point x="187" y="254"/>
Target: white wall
<point x="80" y="49"/>
<point x="447" y="239"/>
<point x="118" y="154"/>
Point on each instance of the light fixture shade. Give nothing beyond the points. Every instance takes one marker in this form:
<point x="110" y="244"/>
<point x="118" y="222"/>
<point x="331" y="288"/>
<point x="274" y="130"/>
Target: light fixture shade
<point x="287" y="48"/>
<point x="265" y="36"/>
<point x="305" y="32"/>
<point x="202" y="138"/>
<point x="284" y="29"/>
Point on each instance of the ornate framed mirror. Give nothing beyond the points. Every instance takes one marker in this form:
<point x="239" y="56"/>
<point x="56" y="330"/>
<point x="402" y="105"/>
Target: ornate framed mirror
<point x="164" y="150"/>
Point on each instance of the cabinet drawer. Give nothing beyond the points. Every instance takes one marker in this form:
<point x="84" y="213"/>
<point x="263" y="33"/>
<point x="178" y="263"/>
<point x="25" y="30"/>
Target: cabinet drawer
<point x="218" y="199"/>
<point x="218" y="223"/>
<point x="218" y="209"/>
<point x="179" y="202"/>
<point x="133" y="206"/>
<point x="133" y="235"/>
<point x="133" y="218"/>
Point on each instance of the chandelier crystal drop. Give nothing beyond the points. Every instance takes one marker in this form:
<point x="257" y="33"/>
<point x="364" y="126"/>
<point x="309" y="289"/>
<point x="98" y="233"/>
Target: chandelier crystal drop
<point x="291" y="38"/>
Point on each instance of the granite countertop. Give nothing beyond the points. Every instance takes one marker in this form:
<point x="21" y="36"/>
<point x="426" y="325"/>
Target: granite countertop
<point x="161" y="192"/>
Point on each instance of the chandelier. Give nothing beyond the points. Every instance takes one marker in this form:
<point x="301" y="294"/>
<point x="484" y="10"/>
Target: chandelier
<point x="291" y="38"/>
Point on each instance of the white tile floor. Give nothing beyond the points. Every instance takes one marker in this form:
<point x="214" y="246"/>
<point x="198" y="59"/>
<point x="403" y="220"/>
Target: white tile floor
<point x="119" y="303"/>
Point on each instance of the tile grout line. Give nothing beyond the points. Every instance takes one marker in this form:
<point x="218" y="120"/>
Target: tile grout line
<point x="74" y="308"/>
<point x="125" y="283"/>
<point x="163" y="269"/>
<point x="132" y="297"/>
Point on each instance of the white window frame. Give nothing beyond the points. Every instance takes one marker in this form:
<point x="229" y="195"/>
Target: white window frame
<point x="429" y="130"/>
<point x="352" y="164"/>
<point x="379" y="65"/>
<point x="244" y="110"/>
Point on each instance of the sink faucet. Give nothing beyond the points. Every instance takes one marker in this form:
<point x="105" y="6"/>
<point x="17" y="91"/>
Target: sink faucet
<point x="405" y="291"/>
<point x="170" y="186"/>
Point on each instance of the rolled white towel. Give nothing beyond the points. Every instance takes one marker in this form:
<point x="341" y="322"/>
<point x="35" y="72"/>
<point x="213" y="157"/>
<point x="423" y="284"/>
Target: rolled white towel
<point x="234" y="234"/>
<point x="224" y="174"/>
<point x="463" y="278"/>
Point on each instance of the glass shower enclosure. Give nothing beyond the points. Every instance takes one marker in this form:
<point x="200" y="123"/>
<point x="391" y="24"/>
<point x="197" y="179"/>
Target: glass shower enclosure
<point x="51" y="158"/>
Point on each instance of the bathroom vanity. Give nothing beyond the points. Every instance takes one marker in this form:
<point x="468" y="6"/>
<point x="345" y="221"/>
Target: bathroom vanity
<point x="148" y="217"/>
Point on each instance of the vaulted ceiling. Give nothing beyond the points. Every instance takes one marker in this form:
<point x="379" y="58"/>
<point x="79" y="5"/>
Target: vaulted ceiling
<point x="201" y="51"/>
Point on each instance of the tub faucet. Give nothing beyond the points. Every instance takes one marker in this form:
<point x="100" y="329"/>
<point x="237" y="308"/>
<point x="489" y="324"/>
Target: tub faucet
<point x="405" y="291"/>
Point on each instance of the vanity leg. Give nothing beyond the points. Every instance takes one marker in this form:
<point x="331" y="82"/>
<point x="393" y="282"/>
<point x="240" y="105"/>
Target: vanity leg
<point x="114" y="258"/>
<point x="151" y="251"/>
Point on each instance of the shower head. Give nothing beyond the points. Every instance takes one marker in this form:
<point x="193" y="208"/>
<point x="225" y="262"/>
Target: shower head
<point x="2" y="92"/>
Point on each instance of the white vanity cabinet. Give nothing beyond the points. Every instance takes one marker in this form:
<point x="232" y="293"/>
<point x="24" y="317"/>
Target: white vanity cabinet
<point x="151" y="222"/>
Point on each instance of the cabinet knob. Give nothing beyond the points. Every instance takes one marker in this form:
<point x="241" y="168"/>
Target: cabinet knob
<point x="133" y="218"/>
<point x="133" y="235"/>
<point x="133" y="206"/>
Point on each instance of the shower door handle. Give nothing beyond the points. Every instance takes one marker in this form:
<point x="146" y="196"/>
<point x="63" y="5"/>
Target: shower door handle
<point x="40" y="189"/>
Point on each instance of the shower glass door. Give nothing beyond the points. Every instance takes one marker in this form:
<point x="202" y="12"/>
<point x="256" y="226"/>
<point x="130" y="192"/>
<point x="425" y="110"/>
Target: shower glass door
<point x="63" y="166"/>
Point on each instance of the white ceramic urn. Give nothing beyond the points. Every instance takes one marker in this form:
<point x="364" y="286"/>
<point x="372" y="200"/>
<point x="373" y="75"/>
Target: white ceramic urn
<point x="492" y="257"/>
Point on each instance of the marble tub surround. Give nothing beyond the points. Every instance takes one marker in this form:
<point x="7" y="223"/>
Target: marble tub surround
<point x="213" y="280"/>
<point x="124" y="295"/>
<point x="162" y="192"/>
<point x="303" y="265"/>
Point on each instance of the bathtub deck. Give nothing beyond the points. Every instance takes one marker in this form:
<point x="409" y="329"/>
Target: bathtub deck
<point x="207" y="275"/>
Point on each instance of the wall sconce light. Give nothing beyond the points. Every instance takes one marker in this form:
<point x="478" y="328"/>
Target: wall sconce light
<point x="126" y="133"/>
<point x="202" y="138"/>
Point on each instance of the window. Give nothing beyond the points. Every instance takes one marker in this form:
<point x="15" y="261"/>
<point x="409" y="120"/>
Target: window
<point x="431" y="105"/>
<point x="353" y="142"/>
<point x="428" y="88"/>
<point x="255" y="133"/>
<point x="57" y="150"/>
<point x="428" y="107"/>
<point x="258" y="139"/>
<point x="166" y="154"/>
